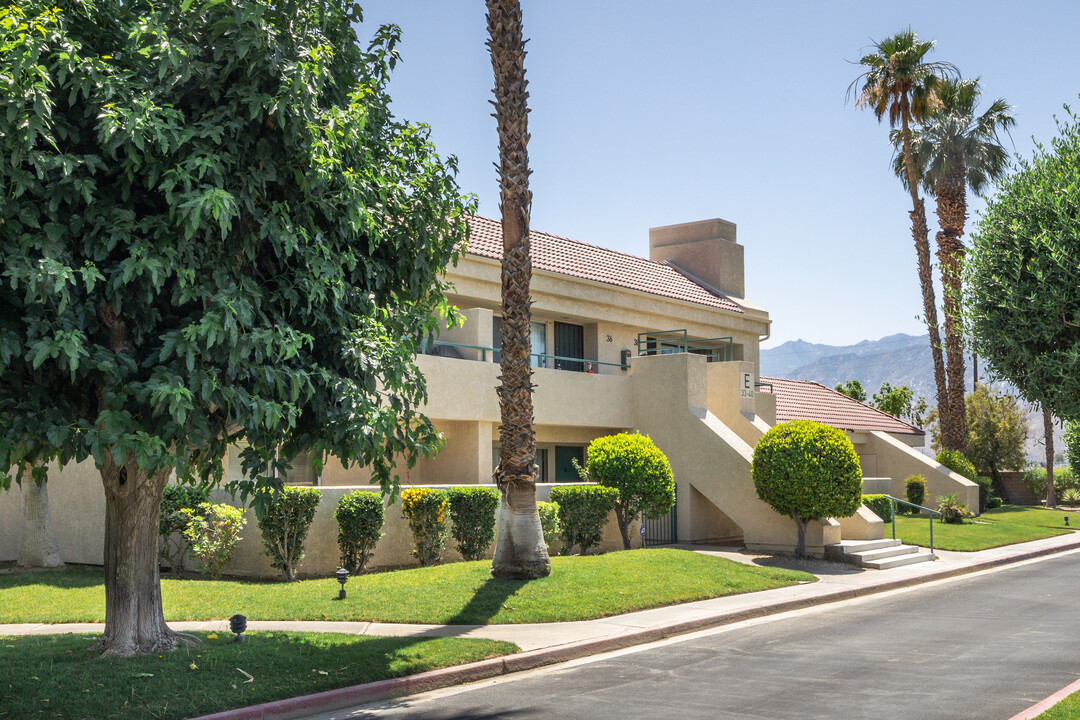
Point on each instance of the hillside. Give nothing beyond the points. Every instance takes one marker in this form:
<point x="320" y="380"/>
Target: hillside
<point x="896" y="359"/>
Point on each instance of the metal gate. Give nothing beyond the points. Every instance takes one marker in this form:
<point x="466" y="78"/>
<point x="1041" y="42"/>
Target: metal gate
<point x="663" y="530"/>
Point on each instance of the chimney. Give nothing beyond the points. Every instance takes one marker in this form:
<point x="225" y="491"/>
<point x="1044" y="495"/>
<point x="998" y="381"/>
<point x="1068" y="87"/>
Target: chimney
<point x="705" y="251"/>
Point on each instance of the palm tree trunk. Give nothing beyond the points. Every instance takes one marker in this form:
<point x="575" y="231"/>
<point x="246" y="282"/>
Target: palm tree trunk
<point x="952" y="213"/>
<point x="520" y="551"/>
<point x="920" y="233"/>
<point x="1048" y="432"/>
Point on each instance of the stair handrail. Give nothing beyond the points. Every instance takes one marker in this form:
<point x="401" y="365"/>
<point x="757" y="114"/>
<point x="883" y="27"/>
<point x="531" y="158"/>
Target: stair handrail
<point x="930" y="515"/>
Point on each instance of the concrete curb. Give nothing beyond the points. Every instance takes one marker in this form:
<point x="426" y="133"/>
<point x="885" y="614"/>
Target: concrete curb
<point x="341" y="698"/>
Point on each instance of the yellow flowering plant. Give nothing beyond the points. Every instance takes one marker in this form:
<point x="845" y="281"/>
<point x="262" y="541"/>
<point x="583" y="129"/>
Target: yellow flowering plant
<point x="425" y="509"/>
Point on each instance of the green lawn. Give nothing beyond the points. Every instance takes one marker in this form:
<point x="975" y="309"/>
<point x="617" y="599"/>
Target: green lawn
<point x="580" y="588"/>
<point x="1067" y="709"/>
<point x="1002" y="526"/>
<point x="57" y="676"/>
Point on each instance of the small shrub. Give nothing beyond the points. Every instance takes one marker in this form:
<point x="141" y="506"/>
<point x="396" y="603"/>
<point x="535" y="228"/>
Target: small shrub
<point x="915" y="491"/>
<point x="880" y="505"/>
<point x="472" y="518"/>
<point x="955" y="461"/>
<point x="1069" y="496"/>
<point x="549" y="521"/>
<point x="360" y="516"/>
<point x="952" y="510"/>
<point x="171" y="526"/>
<point x="993" y="502"/>
<point x="583" y="512"/>
<point x="425" y="509"/>
<point x="633" y="465"/>
<point x="1035" y="481"/>
<point x="285" y="524"/>
<point x="986" y="490"/>
<point x="213" y="531"/>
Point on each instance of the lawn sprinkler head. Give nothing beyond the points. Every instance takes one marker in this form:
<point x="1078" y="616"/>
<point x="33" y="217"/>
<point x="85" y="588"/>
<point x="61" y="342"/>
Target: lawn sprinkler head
<point x="342" y="576"/>
<point x="238" y="625"/>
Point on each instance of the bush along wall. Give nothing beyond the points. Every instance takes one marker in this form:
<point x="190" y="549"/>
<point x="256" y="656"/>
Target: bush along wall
<point x="915" y="491"/>
<point x="549" y="522"/>
<point x="583" y="512"/>
<point x="880" y="505"/>
<point x="177" y="498"/>
<point x="472" y="518"/>
<point x="213" y="531"/>
<point x="425" y="509"/>
<point x="284" y="527"/>
<point x="360" y="516"/>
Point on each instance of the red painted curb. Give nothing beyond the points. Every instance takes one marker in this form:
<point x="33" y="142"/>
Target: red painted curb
<point x="435" y="679"/>
<point x="1042" y="706"/>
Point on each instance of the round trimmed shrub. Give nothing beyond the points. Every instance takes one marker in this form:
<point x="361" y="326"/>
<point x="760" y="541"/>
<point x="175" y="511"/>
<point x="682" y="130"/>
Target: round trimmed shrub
<point x="425" y="509"/>
<point x="360" y="516"/>
<point x="809" y="471"/>
<point x="284" y="526"/>
<point x="213" y="531"/>
<point x="173" y="522"/>
<point x="583" y="513"/>
<point x="472" y="519"/>
<point x="633" y="465"/>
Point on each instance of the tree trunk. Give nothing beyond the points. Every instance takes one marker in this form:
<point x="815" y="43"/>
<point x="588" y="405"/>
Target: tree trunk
<point x="800" y="524"/>
<point x="1048" y="431"/>
<point x="39" y="548"/>
<point x="520" y="551"/>
<point x="952" y="214"/>
<point x="134" y="620"/>
<point x="622" y="517"/>
<point x="919" y="234"/>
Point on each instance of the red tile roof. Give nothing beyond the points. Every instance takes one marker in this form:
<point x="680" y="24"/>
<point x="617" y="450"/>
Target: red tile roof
<point x="589" y="262"/>
<point x="806" y="400"/>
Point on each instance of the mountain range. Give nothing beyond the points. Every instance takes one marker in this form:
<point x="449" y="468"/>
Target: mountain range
<point x="896" y="359"/>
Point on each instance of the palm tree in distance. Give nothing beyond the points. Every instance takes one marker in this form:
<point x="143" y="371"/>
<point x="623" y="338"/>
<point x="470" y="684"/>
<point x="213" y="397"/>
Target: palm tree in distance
<point x="520" y="551"/>
<point x="899" y="82"/>
<point x="956" y="149"/>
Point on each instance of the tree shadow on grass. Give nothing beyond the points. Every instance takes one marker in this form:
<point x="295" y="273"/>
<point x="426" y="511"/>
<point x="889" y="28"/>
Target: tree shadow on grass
<point x="486" y="602"/>
<point x="213" y="676"/>
<point x="68" y="577"/>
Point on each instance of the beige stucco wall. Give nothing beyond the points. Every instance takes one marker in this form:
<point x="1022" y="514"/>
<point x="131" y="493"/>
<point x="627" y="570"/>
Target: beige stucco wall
<point x="78" y="509"/>
<point x="894" y="459"/>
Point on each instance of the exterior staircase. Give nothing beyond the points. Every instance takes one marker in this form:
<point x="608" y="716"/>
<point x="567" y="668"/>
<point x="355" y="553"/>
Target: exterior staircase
<point x="876" y="554"/>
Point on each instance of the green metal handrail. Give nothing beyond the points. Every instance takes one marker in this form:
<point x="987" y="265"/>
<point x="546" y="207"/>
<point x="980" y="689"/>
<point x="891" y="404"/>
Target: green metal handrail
<point x="680" y="342"/>
<point x="930" y="515"/>
<point x="486" y="350"/>
<point x="761" y="384"/>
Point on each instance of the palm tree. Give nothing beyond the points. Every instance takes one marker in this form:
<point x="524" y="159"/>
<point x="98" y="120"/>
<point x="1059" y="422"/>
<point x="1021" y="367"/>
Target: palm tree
<point x="898" y="81"/>
<point x="520" y="551"/>
<point x="954" y="150"/>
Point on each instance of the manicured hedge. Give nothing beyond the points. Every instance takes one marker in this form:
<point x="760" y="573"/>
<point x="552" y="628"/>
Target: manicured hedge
<point x="880" y="505"/>
<point x="472" y="518"/>
<point x="285" y="524"/>
<point x="425" y="509"/>
<point x="360" y="516"/>
<point x="583" y="512"/>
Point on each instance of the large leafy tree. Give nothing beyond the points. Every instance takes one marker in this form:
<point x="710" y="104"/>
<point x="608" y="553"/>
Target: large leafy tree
<point x="997" y="427"/>
<point x="1022" y="283"/>
<point x="953" y="150"/>
<point x="214" y="230"/>
<point x="520" y="551"/>
<point x="898" y="81"/>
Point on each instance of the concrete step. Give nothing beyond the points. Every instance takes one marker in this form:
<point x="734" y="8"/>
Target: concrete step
<point x="865" y="556"/>
<point x="839" y="551"/>
<point x="920" y="555"/>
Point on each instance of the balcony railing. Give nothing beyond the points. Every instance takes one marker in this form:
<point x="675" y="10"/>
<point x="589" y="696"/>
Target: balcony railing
<point x="664" y="342"/>
<point x="579" y="364"/>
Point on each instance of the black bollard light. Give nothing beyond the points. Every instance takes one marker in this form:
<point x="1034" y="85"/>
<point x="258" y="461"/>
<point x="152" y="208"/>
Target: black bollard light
<point x="238" y="625"/>
<point x="342" y="576"/>
<point x="1066" y="521"/>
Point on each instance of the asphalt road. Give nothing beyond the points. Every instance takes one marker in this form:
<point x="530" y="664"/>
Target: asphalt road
<point x="986" y="647"/>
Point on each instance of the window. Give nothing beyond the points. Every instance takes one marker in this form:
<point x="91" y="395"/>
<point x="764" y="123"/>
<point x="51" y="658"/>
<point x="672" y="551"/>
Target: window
<point x="538" y="337"/>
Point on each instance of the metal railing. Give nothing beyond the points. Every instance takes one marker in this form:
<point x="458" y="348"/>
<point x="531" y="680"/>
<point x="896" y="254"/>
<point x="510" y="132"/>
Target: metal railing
<point x="929" y="514"/>
<point x="586" y="365"/>
<point x="666" y="342"/>
<point x="761" y="384"/>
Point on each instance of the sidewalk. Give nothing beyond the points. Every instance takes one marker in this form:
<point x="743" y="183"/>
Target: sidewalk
<point x="548" y="643"/>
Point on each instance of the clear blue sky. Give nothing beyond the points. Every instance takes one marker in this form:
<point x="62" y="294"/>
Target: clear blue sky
<point x="647" y="114"/>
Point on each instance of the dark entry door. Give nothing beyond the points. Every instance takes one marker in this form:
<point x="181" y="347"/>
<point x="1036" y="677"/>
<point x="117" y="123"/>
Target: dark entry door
<point x="569" y="342"/>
